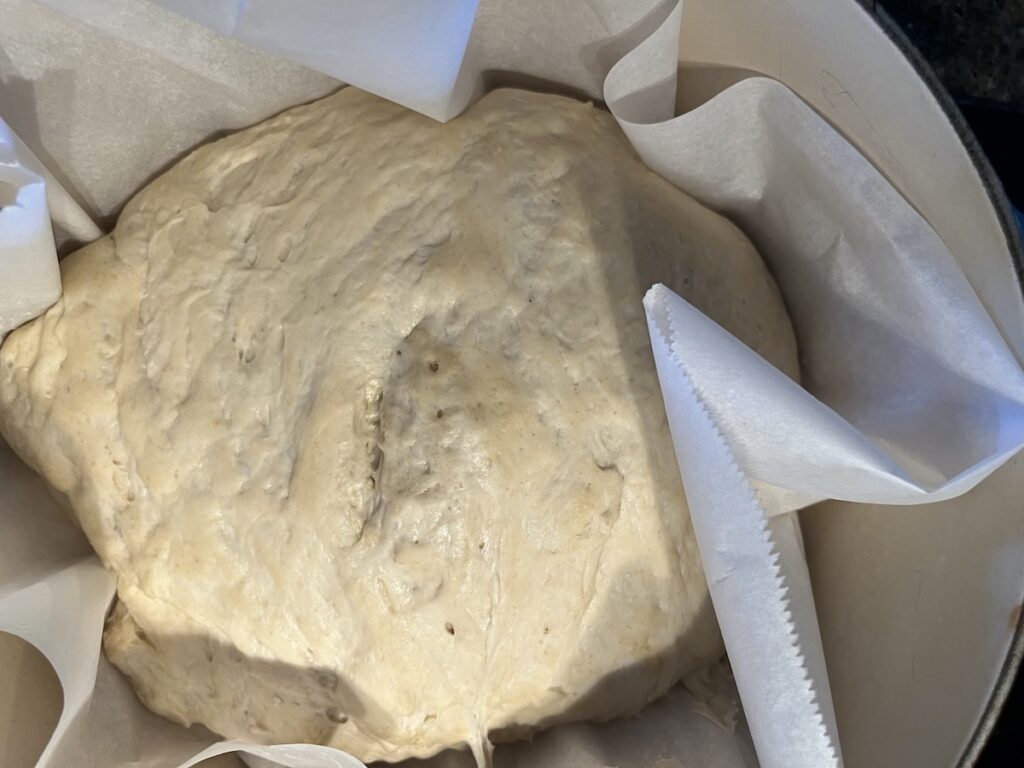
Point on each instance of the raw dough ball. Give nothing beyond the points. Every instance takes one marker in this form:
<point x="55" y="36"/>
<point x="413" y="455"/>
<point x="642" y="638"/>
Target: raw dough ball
<point x="361" y="409"/>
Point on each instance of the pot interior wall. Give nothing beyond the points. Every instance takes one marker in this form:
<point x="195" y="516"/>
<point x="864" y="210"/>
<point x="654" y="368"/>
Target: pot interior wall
<point x="918" y="605"/>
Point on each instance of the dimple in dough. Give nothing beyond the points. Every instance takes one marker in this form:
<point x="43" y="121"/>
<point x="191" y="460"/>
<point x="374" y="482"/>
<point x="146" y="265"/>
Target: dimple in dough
<point x="361" y="410"/>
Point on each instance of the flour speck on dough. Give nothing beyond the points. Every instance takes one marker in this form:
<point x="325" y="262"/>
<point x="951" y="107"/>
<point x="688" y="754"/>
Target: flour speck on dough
<point x="361" y="410"/>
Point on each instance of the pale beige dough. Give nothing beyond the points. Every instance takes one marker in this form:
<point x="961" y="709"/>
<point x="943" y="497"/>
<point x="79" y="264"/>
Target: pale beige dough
<point x="361" y="410"/>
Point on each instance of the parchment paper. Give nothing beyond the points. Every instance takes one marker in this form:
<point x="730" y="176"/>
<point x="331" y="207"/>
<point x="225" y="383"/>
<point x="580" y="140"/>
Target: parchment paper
<point x="909" y="395"/>
<point x="29" y="258"/>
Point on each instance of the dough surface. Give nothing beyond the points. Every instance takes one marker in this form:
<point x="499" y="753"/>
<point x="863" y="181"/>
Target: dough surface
<point x="361" y="410"/>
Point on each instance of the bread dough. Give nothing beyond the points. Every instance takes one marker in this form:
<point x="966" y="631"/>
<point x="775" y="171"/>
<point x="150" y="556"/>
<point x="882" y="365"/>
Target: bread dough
<point x="361" y="409"/>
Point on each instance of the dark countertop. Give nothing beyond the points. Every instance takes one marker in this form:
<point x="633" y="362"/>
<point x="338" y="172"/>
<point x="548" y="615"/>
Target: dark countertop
<point x="976" y="48"/>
